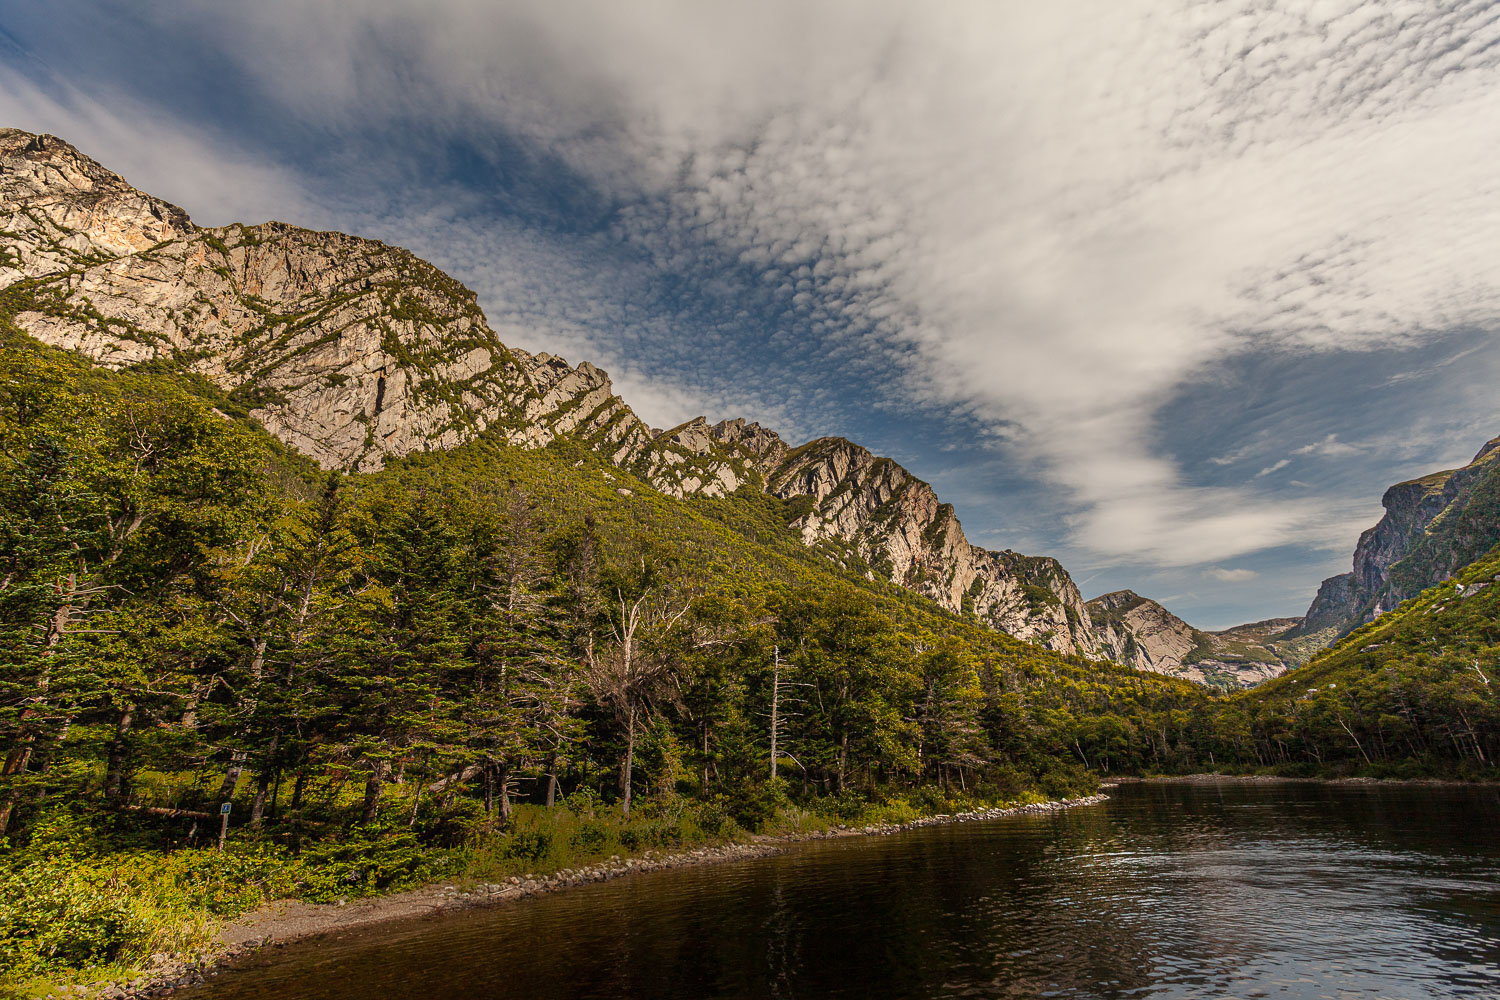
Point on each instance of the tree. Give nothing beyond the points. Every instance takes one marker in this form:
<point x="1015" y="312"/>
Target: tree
<point x="634" y="662"/>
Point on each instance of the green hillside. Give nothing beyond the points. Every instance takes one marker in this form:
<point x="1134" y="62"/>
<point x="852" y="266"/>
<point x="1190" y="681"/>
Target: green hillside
<point x="1412" y="693"/>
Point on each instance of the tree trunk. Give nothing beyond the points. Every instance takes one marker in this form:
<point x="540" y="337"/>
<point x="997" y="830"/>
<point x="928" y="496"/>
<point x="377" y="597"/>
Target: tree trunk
<point x="627" y="769"/>
<point x="416" y="802"/>
<point x="552" y="780"/>
<point x="258" y="805"/>
<point x="775" y="709"/>
<point x="238" y="758"/>
<point x="232" y="775"/>
<point x="114" y="773"/>
<point x="15" y="763"/>
<point x="297" y="786"/>
<point x="373" y="787"/>
<point x="263" y="784"/>
<point x="504" y="792"/>
<point x="20" y="755"/>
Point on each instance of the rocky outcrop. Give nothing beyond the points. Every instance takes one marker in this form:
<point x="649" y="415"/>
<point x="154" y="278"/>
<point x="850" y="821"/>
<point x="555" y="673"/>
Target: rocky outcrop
<point x="1432" y="528"/>
<point x="347" y="349"/>
<point x="354" y="352"/>
<point x="1139" y="632"/>
<point x="897" y="524"/>
<point x="880" y="514"/>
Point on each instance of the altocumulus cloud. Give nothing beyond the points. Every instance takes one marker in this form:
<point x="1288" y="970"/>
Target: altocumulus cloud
<point x="1041" y="221"/>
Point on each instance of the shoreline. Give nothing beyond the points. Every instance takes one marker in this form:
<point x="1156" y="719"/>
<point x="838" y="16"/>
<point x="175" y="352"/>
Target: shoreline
<point x="287" y="921"/>
<point x="1209" y="778"/>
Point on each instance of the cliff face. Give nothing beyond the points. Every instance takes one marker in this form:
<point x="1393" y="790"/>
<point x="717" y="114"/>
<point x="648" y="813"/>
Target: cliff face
<point x="897" y="523"/>
<point x="347" y="349"/>
<point x="353" y="351"/>
<point x="892" y="520"/>
<point x="1137" y="631"/>
<point x="1432" y="528"/>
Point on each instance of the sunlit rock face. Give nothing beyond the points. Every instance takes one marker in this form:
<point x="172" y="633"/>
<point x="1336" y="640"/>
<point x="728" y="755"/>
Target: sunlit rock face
<point x="347" y="349"/>
<point x="1433" y="527"/>
<point x="1139" y="632"/>
<point x="352" y="352"/>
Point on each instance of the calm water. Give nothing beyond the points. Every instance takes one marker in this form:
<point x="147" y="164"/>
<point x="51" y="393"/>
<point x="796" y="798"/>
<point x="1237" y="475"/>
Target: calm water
<point x="1167" y="891"/>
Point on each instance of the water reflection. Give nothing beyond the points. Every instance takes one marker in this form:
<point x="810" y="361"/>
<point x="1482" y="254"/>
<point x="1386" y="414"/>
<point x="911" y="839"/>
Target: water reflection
<point x="1169" y="891"/>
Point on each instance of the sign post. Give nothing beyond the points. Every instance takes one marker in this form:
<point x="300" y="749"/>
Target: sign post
<point x="223" y="824"/>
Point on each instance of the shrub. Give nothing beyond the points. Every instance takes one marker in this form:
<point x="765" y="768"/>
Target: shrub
<point x="372" y="859"/>
<point x="714" y="821"/>
<point x="757" y="805"/>
<point x="452" y="824"/>
<point x="528" y="845"/>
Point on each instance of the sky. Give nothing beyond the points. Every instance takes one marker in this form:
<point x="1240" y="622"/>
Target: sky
<point x="1171" y="290"/>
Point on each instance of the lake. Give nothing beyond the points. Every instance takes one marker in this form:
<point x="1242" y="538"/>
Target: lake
<point x="1169" y="890"/>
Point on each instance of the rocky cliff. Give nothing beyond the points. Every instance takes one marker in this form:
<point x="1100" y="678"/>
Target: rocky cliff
<point x="353" y="351"/>
<point x="1432" y="528"/>
<point x="1141" y="633"/>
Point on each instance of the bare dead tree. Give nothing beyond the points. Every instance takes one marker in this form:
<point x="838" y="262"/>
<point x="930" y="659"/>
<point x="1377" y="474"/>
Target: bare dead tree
<point x="632" y="670"/>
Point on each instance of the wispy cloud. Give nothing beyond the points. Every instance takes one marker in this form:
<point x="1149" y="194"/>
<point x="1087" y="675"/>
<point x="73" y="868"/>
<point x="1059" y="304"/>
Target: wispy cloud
<point x="1276" y="466"/>
<point x="1041" y="221"/>
<point x="1330" y="447"/>
<point x="1231" y="575"/>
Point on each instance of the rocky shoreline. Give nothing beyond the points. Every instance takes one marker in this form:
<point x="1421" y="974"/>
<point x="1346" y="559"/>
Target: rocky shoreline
<point x="281" y="923"/>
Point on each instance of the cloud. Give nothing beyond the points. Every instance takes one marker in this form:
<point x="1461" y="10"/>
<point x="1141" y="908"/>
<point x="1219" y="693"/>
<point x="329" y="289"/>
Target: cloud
<point x="1231" y="575"/>
<point x="1041" y="221"/>
<point x="156" y="153"/>
<point x="1329" y="447"/>
<point x="1276" y="466"/>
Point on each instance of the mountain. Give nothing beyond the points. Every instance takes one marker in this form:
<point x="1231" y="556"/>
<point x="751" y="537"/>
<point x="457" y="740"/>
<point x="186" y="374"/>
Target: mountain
<point x="353" y="352"/>
<point x="1432" y="528"/>
<point x="1139" y="632"/>
<point x="1410" y="694"/>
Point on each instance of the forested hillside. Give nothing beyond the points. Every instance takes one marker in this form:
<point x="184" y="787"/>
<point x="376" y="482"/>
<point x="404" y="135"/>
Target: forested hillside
<point x="354" y="352"/>
<point x="1414" y="692"/>
<point x="187" y="604"/>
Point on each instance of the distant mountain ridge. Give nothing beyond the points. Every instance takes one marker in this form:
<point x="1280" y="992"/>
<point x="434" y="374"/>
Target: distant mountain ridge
<point x="352" y="351"/>
<point x="1139" y="632"/>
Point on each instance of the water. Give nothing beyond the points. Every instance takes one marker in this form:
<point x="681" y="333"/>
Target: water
<point x="1168" y="891"/>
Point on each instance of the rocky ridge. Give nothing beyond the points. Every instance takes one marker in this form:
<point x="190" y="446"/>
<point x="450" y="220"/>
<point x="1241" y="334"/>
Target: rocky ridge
<point x="1432" y="528"/>
<point x="353" y="351"/>
<point x="1139" y="632"/>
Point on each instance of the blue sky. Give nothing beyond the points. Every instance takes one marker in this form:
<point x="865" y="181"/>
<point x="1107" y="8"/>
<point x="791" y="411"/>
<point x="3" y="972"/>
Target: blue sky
<point x="1169" y="290"/>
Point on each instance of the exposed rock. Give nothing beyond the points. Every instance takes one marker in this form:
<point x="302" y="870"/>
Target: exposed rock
<point x="1140" y="632"/>
<point x="347" y="349"/>
<point x="1432" y="528"/>
<point x="897" y="524"/>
